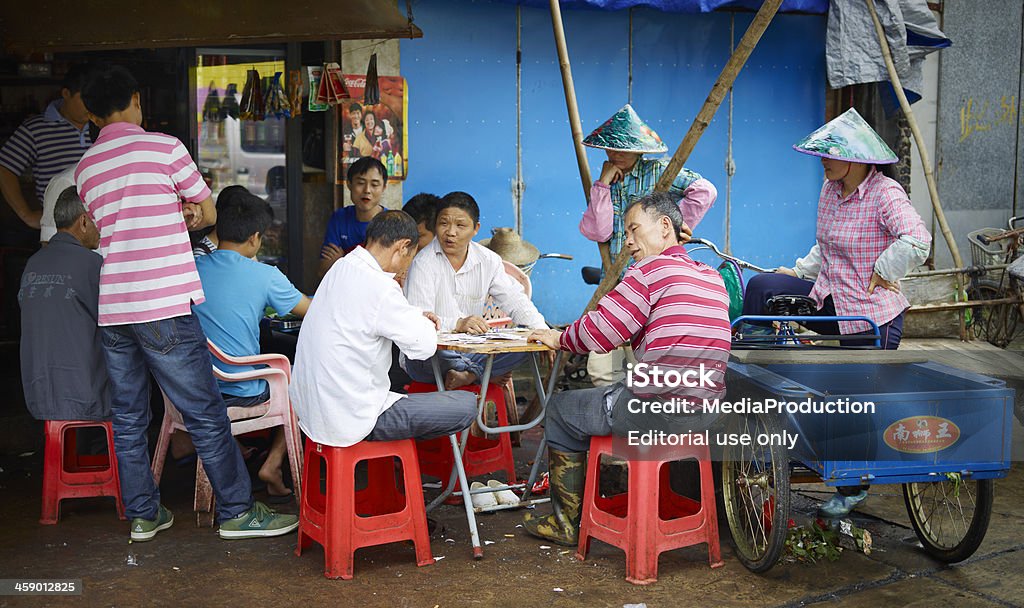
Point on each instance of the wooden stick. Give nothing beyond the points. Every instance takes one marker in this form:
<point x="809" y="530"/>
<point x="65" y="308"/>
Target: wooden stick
<point x="570" y="97"/>
<point x="718" y="91"/>
<point x="574" y="115"/>
<point x="926" y="164"/>
<point x="697" y="127"/>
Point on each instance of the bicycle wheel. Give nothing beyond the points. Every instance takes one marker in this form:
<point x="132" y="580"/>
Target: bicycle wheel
<point x="755" y="494"/>
<point x="950" y="518"/>
<point x="996" y="324"/>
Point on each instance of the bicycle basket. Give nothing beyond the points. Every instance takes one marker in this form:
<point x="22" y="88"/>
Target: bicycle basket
<point x="990" y="254"/>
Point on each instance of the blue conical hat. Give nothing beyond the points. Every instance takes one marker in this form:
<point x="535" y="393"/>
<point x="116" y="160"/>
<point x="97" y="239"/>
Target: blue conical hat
<point x="848" y="137"/>
<point x="626" y="132"/>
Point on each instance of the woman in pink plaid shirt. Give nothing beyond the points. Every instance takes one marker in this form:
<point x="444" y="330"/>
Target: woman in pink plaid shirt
<point x="868" y="237"/>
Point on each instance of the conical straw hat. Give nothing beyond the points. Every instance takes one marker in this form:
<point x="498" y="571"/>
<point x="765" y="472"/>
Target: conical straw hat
<point x="507" y="243"/>
<point x="847" y="137"/>
<point x="626" y="132"/>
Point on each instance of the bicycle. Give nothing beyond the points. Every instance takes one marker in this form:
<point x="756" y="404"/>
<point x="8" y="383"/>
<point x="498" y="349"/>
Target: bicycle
<point x="997" y="316"/>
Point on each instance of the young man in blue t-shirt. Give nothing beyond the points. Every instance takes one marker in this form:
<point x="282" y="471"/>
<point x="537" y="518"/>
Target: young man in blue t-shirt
<point x="238" y="291"/>
<point x="367" y="178"/>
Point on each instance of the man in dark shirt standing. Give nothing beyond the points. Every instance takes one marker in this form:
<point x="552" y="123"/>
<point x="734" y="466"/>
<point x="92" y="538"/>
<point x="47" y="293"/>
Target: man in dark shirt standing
<point x="62" y="366"/>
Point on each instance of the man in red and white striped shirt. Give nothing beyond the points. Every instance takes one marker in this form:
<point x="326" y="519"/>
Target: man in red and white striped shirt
<point x="675" y="311"/>
<point x="144" y="193"/>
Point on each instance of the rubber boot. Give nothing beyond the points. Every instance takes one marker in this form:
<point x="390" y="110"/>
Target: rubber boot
<point x="567" y="471"/>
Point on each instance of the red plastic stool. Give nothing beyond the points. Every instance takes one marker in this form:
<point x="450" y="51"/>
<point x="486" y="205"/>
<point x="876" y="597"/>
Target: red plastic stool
<point x="343" y="520"/>
<point x="482" y="457"/>
<point x="68" y="474"/>
<point x="649" y="518"/>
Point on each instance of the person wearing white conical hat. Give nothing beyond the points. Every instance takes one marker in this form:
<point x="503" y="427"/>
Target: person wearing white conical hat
<point x="627" y="175"/>
<point x="868" y="237"/>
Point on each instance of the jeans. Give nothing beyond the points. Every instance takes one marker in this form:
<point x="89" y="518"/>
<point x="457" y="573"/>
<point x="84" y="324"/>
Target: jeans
<point x="764" y="286"/>
<point x="425" y="416"/>
<point x="174" y="350"/>
<point x="573" y="417"/>
<point x="250" y="401"/>
<point x="423" y="371"/>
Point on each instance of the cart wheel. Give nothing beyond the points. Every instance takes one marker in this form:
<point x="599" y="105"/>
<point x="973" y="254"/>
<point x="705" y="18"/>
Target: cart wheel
<point x="950" y="521"/>
<point x="997" y="324"/>
<point x="755" y="495"/>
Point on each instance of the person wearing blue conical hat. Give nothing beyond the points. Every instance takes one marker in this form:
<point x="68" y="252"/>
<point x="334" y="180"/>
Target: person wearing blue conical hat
<point x="868" y="237"/>
<point x="627" y="175"/>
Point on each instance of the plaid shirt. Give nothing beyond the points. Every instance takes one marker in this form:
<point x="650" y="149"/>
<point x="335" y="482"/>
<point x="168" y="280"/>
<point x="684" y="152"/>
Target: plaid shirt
<point x="640" y="181"/>
<point x="852" y="232"/>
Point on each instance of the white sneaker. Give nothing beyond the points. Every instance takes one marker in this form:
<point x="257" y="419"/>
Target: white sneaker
<point x="484" y="500"/>
<point x="504" y="497"/>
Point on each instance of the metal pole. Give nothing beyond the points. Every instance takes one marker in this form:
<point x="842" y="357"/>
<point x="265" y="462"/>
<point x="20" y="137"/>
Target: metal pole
<point x="926" y="164"/>
<point x="293" y="182"/>
<point x="730" y="163"/>
<point x="629" y="83"/>
<point x="517" y="189"/>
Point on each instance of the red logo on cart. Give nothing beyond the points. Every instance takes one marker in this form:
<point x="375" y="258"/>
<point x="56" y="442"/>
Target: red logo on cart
<point x="921" y="434"/>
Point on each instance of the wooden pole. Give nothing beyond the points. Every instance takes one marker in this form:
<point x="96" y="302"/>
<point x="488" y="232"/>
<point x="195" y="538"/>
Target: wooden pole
<point x="574" y="114"/>
<point x="926" y="164"/>
<point x="718" y="91"/>
<point x="697" y="127"/>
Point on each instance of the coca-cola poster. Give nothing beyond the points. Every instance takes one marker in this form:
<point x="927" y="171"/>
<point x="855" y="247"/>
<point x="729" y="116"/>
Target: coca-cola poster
<point x="377" y="130"/>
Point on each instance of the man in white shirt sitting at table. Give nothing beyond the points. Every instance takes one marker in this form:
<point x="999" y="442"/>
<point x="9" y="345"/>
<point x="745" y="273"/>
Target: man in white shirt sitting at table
<point x="453" y="276"/>
<point x="340" y="387"/>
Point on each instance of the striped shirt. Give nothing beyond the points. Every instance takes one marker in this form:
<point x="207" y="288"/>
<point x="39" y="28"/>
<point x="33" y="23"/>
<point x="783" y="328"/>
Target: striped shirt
<point x="133" y="183"/>
<point x="47" y="144"/>
<point x="676" y="313"/>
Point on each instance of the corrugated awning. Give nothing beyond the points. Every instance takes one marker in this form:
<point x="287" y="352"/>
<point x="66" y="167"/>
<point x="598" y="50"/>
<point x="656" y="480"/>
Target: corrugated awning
<point x="71" y="25"/>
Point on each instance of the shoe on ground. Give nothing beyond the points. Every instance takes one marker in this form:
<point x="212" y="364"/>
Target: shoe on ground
<point x="504" y="497"/>
<point x="258" y="522"/>
<point x="840" y="506"/>
<point x="145" y="529"/>
<point x="482" y="501"/>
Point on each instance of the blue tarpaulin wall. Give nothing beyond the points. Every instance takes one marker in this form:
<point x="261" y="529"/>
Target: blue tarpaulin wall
<point x="683" y="6"/>
<point x="462" y="131"/>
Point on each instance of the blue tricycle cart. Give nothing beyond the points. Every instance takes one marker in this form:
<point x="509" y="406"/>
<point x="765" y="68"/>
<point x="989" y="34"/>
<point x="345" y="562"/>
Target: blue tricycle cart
<point x="940" y="432"/>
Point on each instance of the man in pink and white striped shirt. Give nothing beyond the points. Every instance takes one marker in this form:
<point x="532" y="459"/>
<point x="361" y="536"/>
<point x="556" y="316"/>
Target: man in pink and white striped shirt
<point x="144" y="193"/>
<point x="675" y="311"/>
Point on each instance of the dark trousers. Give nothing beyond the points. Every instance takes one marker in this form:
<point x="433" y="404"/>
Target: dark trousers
<point x="425" y="416"/>
<point x="573" y="417"/>
<point x="762" y="287"/>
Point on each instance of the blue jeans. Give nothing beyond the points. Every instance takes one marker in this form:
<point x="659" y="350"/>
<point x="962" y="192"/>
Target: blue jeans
<point x="174" y="350"/>
<point x="761" y="287"/>
<point x="423" y="371"/>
